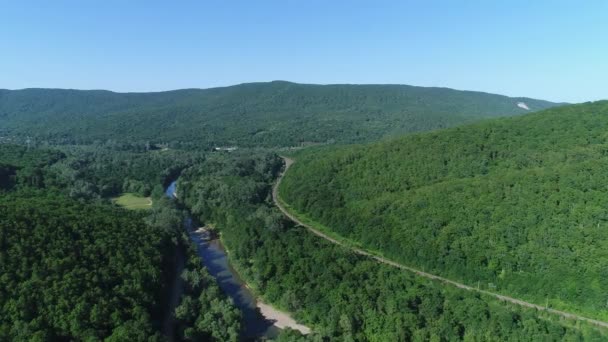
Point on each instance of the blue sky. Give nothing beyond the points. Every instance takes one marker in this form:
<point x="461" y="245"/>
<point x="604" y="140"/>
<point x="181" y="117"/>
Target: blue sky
<point x="555" y="50"/>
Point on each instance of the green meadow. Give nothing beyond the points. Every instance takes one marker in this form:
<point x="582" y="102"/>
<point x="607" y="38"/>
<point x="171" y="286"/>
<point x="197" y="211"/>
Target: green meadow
<point x="133" y="202"/>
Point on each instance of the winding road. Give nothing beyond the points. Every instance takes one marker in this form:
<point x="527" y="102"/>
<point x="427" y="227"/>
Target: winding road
<point x="568" y="315"/>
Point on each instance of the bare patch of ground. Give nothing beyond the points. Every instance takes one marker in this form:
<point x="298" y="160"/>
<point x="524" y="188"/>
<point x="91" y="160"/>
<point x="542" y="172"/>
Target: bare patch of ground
<point x="281" y="319"/>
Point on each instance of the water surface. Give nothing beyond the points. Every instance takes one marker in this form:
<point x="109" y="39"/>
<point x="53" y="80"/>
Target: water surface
<point x="215" y="258"/>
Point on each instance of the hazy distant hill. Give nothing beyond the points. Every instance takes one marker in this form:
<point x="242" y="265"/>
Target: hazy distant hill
<point x="518" y="205"/>
<point x="263" y="114"/>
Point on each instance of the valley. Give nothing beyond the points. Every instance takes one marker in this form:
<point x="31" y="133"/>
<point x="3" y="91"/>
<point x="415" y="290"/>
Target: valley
<point x="303" y="171"/>
<point x="268" y="279"/>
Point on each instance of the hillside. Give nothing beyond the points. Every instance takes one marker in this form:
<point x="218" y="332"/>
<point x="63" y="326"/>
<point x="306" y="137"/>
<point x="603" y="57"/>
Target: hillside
<point x="255" y="114"/>
<point x="513" y="205"/>
<point x="345" y="296"/>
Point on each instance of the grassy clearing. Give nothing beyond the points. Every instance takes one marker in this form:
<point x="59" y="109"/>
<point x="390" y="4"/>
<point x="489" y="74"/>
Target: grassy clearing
<point x="133" y="202"/>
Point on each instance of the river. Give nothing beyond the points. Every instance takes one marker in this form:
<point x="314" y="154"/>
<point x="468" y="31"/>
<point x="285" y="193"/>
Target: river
<point x="215" y="258"/>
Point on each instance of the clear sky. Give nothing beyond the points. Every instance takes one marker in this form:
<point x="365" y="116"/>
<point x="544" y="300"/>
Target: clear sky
<point x="555" y="50"/>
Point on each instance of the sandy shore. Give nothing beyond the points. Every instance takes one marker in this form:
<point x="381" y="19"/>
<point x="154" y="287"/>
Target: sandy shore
<point x="281" y="319"/>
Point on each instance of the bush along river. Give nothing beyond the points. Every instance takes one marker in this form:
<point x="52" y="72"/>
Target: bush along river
<point x="259" y="319"/>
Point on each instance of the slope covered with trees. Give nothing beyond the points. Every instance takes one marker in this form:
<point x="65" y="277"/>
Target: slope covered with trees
<point x="255" y="114"/>
<point x="514" y="205"/>
<point x="341" y="295"/>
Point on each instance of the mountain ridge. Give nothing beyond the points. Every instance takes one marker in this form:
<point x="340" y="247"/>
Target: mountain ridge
<point x="269" y="114"/>
<point x="286" y="82"/>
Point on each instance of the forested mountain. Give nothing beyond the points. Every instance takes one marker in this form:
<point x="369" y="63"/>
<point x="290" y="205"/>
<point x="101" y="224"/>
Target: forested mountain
<point x="255" y="114"/>
<point x="513" y="205"/>
<point x="341" y="295"/>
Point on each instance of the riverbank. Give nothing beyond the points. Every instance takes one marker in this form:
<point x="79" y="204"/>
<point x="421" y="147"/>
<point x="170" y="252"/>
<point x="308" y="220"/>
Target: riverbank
<point x="278" y="318"/>
<point x="259" y="318"/>
<point x="281" y="319"/>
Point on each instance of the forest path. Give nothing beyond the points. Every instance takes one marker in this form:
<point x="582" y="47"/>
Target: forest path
<point x="175" y="292"/>
<point x="523" y="303"/>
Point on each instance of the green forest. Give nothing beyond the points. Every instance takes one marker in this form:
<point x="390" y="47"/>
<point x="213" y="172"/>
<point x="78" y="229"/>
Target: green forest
<point x="303" y="171"/>
<point x="76" y="267"/>
<point x="341" y="295"/>
<point x="78" y="271"/>
<point x="514" y="205"/>
<point x="272" y="114"/>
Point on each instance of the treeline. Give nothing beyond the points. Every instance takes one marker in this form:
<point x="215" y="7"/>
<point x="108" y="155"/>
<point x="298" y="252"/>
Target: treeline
<point x="93" y="172"/>
<point x="21" y="165"/>
<point x="274" y="114"/>
<point x="204" y="312"/>
<point x="78" y="269"/>
<point x="96" y="172"/>
<point x="201" y="312"/>
<point x="341" y="295"/>
<point x="515" y="205"/>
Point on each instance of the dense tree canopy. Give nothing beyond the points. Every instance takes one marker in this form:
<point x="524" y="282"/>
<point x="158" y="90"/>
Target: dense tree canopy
<point x="341" y="295"/>
<point x="86" y="270"/>
<point x="78" y="271"/>
<point x="517" y="204"/>
<point x="256" y="114"/>
<point x="93" y="171"/>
